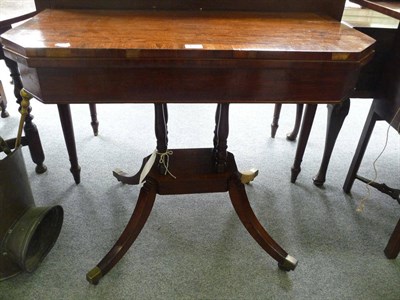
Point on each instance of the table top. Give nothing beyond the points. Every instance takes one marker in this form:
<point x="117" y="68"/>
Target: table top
<point x="390" y="8"/>
<point x="102" y="56"/>
<point x="184" y="34"/>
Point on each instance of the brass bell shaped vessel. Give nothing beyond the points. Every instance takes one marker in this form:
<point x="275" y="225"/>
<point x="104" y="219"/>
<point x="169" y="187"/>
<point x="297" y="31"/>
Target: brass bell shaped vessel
<point x="27" y="232"/>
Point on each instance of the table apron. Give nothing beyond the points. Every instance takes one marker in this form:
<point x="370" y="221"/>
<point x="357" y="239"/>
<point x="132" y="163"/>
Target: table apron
<point x="294" y="82"/>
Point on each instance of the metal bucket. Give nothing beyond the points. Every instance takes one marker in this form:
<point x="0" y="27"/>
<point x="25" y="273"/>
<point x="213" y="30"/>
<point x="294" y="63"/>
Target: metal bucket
<point x="27" y="233"/>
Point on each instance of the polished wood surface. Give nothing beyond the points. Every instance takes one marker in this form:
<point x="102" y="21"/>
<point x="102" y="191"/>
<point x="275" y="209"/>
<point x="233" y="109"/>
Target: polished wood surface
<point x="187" y="56"/>
<point x="136" y="35"/>
<point x="243" y="57"/>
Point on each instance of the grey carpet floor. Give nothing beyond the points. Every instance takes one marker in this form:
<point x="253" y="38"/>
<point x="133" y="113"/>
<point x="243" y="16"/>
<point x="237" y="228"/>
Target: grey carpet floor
<point x="194" y="246"/>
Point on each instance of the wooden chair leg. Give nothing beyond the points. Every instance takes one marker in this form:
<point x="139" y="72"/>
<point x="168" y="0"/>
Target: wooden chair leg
<point x="336" y="115"/>
<point x="95" y="122"/>
<point x="69" y="137"/>
<point x="33" y="139"/>
<point x="393" y="247"/>
<point x="292" y="136"/>
<point x="3" y="102"/>
<point x="308" y="120"/>
<point x="361" y="147"/>
<point x="139" y="217"/>
<point x="30" y="129"/>
<point x="275" y="119"/>
<point x="3" y="106"/>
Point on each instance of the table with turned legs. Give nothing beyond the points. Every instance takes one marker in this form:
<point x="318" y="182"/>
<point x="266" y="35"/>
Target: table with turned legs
<point x="191" y="56"/>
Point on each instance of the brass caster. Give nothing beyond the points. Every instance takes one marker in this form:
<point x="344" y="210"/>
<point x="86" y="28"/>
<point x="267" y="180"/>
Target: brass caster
<point x="94" y="275"/>
<point x="247" y="176"/>
<point x="289" y="264"/>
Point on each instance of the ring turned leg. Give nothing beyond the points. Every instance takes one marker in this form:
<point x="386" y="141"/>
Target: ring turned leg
<point x="243" y="209"/>
<point x="221" y="135"/>
<point x="161" y="130"/>
<point x="30" y="129"/>
<point x="32" y="136"/>
<point x="139" y="217"/>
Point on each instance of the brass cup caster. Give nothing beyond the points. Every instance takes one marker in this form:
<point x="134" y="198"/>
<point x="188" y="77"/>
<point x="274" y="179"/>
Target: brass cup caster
<point x="248" y="176"/>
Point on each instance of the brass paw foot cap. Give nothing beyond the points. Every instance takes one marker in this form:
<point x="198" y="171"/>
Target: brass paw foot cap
<point x="247" y="176"/>
<point x="94" y="275"/>
<point x="289" y="264"/>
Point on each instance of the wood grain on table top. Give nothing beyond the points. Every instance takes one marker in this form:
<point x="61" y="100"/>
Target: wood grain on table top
<point x="90" y="33"/>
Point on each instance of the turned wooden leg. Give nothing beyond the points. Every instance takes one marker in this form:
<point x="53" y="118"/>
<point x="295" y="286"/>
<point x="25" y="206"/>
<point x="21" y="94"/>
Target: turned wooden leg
<point x="15" y="76"/>
<point x="393" y="247"/>
<point x="139" y="217"/>
<point x="243" y="209"/>
<point x="33" y="138"/>
<point x="3" y="102"/>
<point x="221" y="136"/>
<point x="215" y="139"/>
<point x="95" y="122"/>
<point x="161" y="130"/>
<point x="69" y="137"/>
<point x="30" y="129"/>
<point x="303" y="139"/>
<point x="299" y="114"/>
<point x="3" y="106"/>
<point x="275" y="119"/>
<point x="361" y="147"/>
<point x="336" y="115"/>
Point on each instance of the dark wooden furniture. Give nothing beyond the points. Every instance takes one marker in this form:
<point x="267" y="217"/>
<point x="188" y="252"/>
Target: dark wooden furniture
<point x="3" y="102"/>
<point x="383" y="84"/>
<point x="202" y="52"/>
<point x="12" y="12"/>
<point x="336" y="116"/>
<point x="366" y="88"/>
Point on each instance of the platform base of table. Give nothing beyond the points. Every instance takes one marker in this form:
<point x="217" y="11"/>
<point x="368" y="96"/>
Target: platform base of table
<point x="194" y="171"/>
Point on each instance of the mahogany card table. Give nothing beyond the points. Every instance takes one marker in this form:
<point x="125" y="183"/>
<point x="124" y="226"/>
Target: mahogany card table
<point x="160" y="57"/>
